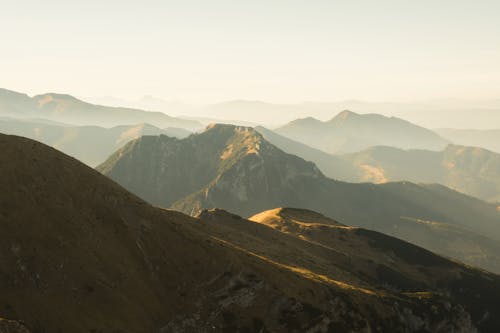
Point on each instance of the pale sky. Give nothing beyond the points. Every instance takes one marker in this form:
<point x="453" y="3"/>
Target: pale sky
<point x="277" y="51"/>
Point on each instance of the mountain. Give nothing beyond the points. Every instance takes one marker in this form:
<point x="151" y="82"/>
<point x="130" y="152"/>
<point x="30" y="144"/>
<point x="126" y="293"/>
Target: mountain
<point x="90" y="144"/>
<point x="489" y="139"/>
<point x="351" y="132"/>
<point x="455" y="113"/>
<point x="16" y="104"/>
<point x="235" y="168"/>
<point x="80" y="254"/>
<point x="68" y="109"/>
<point x="332" y="166"/>
<point x="470" y="170"/>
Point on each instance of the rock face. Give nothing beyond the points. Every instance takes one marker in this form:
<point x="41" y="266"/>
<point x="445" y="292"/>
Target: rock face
<point x="10" y="326"/>
<point x="229" y="165"/>
<point x="80" y="254"/>
<point x="236" y="169"/>
<point x="350" y="132"/>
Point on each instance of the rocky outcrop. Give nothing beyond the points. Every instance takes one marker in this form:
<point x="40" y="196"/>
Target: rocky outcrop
<point x="10" y="326"/>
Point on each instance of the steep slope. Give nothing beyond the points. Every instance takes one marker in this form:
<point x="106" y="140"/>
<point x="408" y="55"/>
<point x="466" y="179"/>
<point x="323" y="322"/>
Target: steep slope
<point x="225" y="164"/>
<point x="89" y="144"/>
<point x="235" y="168"/>
<point x="332" y="166"/>
<point x="80" y="254"/>
<point x="68" y="109"/>
<point x="357" y="258"/>
<point x="489" y="139"/>
<point x="351" y="132"/>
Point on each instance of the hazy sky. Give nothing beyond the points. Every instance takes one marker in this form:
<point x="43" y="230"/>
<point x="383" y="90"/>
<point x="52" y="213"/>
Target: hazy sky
<point x="281" y="51"/>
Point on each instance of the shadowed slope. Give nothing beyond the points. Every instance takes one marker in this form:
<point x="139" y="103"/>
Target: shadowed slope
<point x="355" y="258"/>
<point x="80" y="254"/>
<point x="235" y="168"/>
<point x="470" y="170"/>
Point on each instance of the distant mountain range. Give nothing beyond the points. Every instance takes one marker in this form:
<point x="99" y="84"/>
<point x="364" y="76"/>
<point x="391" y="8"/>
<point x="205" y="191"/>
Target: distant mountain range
<point x="81" y="254"/>
<point x="90" y="144"/>
<point x="489" y="139"/>
<point x="453" y="113"/>
<point x="470" y="170"/>
<point x="235" y="168"/>
<point x="68" y="109"/>
<point x="350" y="132"/>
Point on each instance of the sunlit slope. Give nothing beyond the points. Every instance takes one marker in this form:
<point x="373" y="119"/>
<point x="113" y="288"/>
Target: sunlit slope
<point x="235" y="168"/>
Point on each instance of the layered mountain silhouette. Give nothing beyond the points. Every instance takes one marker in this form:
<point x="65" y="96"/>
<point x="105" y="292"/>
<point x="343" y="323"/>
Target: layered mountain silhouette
<point x="333" y="166"/>
<point x="89" y="144"/>
<point x="489" y="139"/>
<point x="81" y="254"/>
<point x="68" y="109"/>
<point x="235" y="168"/>
<point x="471" y="170"/>
<point x="350" y="132"/>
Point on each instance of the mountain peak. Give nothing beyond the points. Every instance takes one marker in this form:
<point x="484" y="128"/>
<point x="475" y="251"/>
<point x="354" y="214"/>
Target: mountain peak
<point x="47" y="99"/>
<point x="215" y="213"/>
<point x="57" y="96"/>
<point x="286" y="215"/>
<point x="345" y="114"/>
<point x="235" y="136"/>
<point x="226" y="127"/>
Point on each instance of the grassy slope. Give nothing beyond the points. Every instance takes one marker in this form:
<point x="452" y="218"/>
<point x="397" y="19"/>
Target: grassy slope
<point x="81" y="254"/>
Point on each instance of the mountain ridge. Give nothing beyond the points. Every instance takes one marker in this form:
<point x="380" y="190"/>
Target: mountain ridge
<point x="85" y="255"/>
<point x="90" y="144"/>
<point x="69" y="109"/>
<point x="349" y="132"/>
<point x="471" y="170"/>
<point x="210" y="170"/>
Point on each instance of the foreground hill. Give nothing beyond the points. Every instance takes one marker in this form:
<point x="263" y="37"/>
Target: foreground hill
<point x="80" y="254"/>
<point x="235" y="168"/>
<point x="350" y="132"/>
<point x="89" y="144"/>
<point x="68" y="109"/>
<point x="489" y="139"/>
